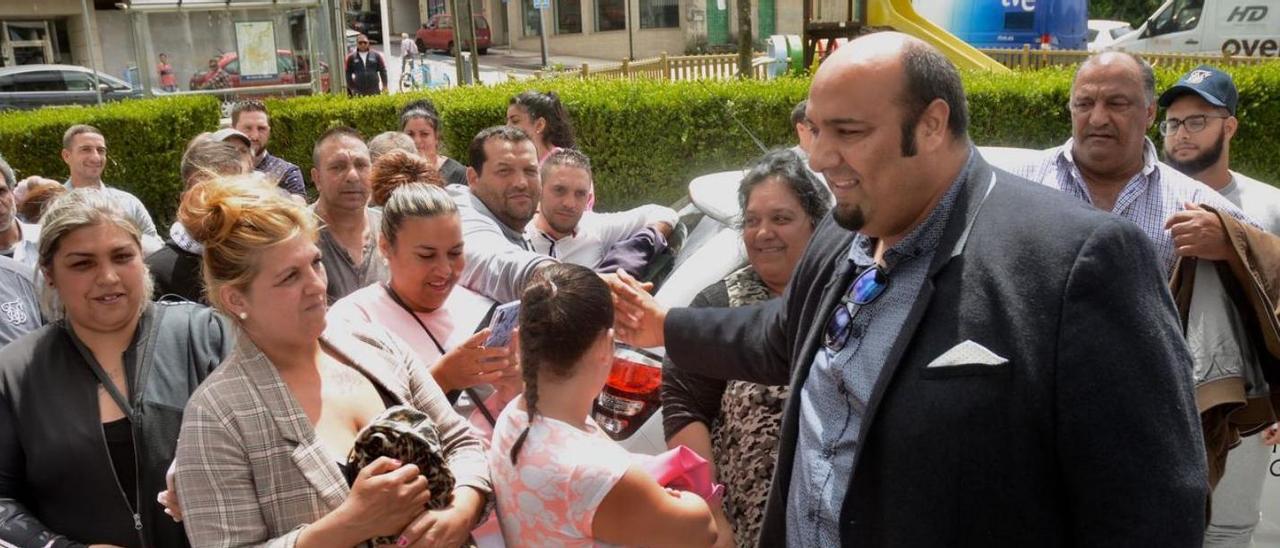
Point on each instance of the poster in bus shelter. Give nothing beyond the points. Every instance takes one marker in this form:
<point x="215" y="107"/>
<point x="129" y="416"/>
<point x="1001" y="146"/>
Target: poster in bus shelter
<point x="256" y="49"/>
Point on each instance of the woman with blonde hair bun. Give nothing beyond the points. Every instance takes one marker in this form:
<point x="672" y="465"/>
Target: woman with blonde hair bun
<point x="90" y="404"/>
<point x="264" y="444"/>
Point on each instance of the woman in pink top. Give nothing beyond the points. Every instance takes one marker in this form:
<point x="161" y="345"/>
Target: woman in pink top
<point x="558" y="479"/>
<point x="421" y="303"/>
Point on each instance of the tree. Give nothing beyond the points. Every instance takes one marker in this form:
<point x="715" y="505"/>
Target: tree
<point x="744" y="38"/>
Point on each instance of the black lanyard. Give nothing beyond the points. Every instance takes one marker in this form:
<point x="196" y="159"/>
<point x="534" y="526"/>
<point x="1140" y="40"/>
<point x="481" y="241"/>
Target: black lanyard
<point x="471" y="393"/>
<point x="142" y="356"/>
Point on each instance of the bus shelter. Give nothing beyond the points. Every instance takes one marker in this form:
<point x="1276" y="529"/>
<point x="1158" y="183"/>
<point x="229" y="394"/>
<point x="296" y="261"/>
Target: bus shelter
<point x="236" y="48"/>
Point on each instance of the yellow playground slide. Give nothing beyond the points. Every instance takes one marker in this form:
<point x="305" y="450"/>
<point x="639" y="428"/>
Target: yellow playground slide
<point x="901" y="16"/>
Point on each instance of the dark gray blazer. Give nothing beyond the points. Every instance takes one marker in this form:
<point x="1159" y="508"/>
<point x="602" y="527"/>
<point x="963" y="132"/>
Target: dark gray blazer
<point x="1088" y="436"/>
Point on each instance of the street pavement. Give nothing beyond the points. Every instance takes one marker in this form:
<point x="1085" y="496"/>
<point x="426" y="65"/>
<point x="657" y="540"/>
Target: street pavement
<point x="500" y="65"/>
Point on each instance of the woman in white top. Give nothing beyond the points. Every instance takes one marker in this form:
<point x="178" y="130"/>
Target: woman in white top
<point x="558" y="479"/>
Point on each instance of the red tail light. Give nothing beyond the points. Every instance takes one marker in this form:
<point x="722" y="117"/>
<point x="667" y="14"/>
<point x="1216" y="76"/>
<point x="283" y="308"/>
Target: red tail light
<point x="631" y="394"/>
<point x="1045" y="41"/>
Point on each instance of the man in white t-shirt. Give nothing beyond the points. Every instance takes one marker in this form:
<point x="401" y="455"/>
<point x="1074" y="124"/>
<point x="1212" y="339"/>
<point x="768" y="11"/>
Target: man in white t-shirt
<point x="1199" y="125"/>
<point x="565" y="230"/>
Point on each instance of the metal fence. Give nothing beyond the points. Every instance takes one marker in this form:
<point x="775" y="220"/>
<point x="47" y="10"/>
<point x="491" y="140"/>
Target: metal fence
<point x="669" y="68"/>
<point x="1031" y="59"/>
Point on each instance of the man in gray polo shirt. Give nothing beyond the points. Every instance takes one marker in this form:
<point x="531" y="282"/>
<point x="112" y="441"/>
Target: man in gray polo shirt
<point x="84" y="150"/>
<point x="349" y="229"/>
<point x="1199" y="125"/>
<point x="19" y="306"/>
<point x="505" y="186"/>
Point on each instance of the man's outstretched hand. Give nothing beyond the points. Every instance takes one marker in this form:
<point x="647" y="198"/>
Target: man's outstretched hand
<point x="638" y="317"/>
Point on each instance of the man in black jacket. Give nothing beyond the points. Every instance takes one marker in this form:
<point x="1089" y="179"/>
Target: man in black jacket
<point x="366" y="70"/>
<point x="974" y="360"/>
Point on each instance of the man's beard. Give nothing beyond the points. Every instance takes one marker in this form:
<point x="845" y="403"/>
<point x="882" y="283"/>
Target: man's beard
<point x="849" y="217"/>
<point x="1203" y="161"/>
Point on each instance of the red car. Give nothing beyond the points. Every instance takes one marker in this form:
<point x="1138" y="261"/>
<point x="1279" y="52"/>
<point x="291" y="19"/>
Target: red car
<point x="437" y="33"/>
<point x="288" y="72"/>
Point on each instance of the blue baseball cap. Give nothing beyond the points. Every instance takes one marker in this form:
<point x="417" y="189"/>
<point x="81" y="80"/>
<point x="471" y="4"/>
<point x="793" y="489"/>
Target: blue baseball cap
<point x="1212" y="85"/>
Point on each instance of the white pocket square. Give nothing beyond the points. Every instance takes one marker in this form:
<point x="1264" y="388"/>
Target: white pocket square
<point x="967" y="353"/>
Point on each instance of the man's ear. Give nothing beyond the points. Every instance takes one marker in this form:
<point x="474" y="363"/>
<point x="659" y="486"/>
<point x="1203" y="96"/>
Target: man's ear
<point x="932" y="130"/>
<point x="473" y="176"/>
<point x="1231" y="125"/>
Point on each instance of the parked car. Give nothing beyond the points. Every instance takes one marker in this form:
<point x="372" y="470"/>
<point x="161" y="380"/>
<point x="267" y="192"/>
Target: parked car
<point x="368" y="23"/>
<point x="350" y="37"/>
<point x="35" y="86"/>
<point x="291" y="70"/>
<point x="437" y="33"/>
<point x="1103" y="33"/>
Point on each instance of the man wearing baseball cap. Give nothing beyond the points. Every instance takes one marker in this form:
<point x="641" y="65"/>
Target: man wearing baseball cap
<point x="1199" y="125"/>
<point x="239" y="140"/>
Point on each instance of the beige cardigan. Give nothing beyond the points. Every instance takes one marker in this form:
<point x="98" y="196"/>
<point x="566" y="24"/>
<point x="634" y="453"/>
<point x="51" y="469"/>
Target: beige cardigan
<point x="250" y="471"/>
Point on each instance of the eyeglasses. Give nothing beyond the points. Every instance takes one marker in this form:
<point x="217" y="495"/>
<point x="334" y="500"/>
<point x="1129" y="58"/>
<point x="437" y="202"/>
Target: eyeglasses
<point x="362" y="42"/>
<point x="866" y="288"/>
<point x="1194" y="124"/>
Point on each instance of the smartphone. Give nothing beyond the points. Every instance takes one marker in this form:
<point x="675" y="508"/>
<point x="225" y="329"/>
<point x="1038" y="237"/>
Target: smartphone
<point x="505" y="319"/>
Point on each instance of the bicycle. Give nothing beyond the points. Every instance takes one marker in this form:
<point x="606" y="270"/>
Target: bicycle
<point x="420" y="76"/>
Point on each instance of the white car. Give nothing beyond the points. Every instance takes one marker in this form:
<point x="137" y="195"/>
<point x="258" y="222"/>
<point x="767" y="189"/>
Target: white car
<point x="1103" y="33"/>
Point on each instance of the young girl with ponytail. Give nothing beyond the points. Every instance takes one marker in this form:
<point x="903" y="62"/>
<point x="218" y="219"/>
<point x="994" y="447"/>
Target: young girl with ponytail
<point x="558" y="479"/>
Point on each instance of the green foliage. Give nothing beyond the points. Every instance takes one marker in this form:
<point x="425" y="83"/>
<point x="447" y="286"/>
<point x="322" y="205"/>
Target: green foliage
<point x="145" y="140"/>
<point x="646" y="139"/>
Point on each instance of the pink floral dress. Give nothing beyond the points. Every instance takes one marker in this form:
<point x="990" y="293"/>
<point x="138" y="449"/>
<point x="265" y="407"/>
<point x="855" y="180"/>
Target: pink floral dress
<point x="550" y="497"/>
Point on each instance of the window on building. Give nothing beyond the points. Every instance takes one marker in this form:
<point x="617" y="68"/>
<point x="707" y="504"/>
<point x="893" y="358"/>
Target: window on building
<point x="611" y="15"/>
<point x="532" y="18"/>
<point x="568" y="16"/>
<point x="659" y="14"/>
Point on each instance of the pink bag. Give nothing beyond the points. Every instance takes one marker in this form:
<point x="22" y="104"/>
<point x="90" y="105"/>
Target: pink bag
<point x="685" y="470"/>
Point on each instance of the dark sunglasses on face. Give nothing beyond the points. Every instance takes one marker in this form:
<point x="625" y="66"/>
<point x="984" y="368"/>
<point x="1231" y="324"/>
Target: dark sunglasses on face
<point x="1194" y="124"/>
<point x="866" y="288"/>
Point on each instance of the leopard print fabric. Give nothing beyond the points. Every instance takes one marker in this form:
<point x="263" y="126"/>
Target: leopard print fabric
<point x="408" y="435"/>
<point x="744" y="438"/>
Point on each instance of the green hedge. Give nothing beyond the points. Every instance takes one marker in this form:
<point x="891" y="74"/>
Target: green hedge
<point x="145" y="139"/>
<point x="646" y="139"/>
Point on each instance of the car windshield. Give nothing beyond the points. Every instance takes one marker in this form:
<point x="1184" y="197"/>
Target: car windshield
<point x="1093" y="34"/>
<point x="481" y="23"/>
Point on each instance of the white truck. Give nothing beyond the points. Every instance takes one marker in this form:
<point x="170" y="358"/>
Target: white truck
<point x="1244" y="28"/>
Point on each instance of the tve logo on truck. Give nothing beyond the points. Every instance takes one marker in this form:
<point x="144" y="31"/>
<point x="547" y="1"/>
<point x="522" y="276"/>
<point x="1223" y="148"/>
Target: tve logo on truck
<point x="1249" y="28"/>
<point x="1048" y="24"/>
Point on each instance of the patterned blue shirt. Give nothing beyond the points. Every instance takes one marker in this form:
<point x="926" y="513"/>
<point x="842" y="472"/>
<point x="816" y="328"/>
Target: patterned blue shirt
<point x="834" y="398"/>
<point x="1153" y="194"/>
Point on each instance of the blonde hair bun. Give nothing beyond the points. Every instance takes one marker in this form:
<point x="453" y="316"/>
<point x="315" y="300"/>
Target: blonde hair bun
<point x="236" y="218"/>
